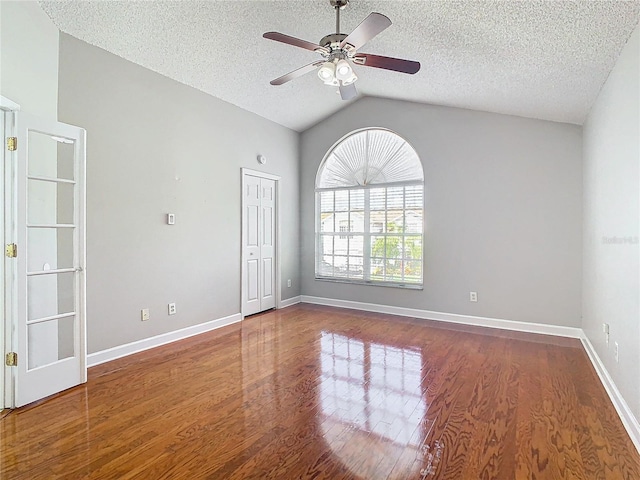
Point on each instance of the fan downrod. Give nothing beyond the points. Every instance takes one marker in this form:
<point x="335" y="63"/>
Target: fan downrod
<point x="338" y="5"/>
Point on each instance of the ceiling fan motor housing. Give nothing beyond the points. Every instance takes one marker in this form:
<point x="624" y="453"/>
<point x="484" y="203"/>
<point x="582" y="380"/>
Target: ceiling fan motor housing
<point x="339" y="3"/>
<point x="332" y="43"/>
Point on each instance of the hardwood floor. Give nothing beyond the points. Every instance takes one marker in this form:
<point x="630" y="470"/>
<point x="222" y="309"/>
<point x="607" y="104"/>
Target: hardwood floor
<point x="325" y="393"/>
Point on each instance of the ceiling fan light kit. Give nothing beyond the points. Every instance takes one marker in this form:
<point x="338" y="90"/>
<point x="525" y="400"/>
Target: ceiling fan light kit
<point x="336" y="73"/>
<point x="344" y="72"/>
<point x="327" y="73"/>
<point x="339" y="51"/>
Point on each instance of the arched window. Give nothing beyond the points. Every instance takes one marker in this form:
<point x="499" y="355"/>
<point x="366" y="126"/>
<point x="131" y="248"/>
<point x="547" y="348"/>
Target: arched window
<point x="369" y="211"/>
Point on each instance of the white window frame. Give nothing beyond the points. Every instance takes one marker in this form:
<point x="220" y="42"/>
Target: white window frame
<point x="367" y="234"/>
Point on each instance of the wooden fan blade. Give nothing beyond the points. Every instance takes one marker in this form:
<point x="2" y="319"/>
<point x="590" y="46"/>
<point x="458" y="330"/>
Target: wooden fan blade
<point x="347" y="92"/>
<point x="296" y="42"/>
<point x="296" y="73"/>
<point x="369" y="28"/>
<point x="388" y="63"/>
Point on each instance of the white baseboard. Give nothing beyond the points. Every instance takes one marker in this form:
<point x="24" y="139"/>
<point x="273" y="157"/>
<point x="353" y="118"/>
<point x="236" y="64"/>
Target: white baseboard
<point x="289" y="301"/>
<point x="120" y="351"/>
<point x="629" y="420"/>
<point x="109" y="354"/>
<point x="541" y="328"/>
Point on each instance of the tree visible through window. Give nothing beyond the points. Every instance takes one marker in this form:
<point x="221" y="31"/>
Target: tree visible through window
<point x="369" y="204"/>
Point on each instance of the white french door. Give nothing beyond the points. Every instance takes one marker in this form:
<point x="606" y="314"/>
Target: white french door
<point x="49" y="334"/>
<point x="259" y="263"/>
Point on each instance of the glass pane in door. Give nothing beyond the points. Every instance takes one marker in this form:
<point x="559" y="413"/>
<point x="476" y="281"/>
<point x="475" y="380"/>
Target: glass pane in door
<point x="50" y="156"/>
<point x="50" y="294"/>
<point x="49" y="249"/>
<point x="49" y="202"/>
<point x="50" y="341"/>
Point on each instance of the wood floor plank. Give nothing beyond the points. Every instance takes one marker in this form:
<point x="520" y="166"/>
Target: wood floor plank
<point x="313" y="392"/>
<point x="531" y="458"/>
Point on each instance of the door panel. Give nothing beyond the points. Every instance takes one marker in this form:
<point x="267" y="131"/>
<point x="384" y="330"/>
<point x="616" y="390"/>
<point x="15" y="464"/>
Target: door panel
<point x="251" y="248"/>
<point x="267" y="219"/>
<point x="252" y="226"/>
<point x="267" y="273"/>
<point x="252" y="281"/>
<point x="267" y="250"/>
<point x="51" y="343"/>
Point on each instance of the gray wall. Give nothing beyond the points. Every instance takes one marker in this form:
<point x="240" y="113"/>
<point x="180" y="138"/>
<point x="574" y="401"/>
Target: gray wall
<point x="611" y="196"/>
<point x="156" y="146"/>
<point x="503" y="211"/>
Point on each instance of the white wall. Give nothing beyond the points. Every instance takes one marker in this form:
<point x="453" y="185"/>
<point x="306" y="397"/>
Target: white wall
<point x="29" y="58"/>
<point x="503" y="211"/>
<point x="156" y="146"/>
<point x="29" y="77"/>
<point x="611" y="289"/>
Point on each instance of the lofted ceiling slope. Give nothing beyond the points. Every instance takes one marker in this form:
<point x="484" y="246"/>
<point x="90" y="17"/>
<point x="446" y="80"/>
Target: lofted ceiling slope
<point x="540" y="59"/>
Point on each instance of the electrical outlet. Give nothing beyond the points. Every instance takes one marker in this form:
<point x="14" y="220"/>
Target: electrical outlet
<point x="172" y="308"/>
<point x="144" y="314"/>
<point x="289" y="283"/>
<point x="473" y="296"/>
<point x="616" y="352"/>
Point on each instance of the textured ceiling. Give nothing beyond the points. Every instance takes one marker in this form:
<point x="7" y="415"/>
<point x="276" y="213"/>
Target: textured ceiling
<point x="541" y="59"/>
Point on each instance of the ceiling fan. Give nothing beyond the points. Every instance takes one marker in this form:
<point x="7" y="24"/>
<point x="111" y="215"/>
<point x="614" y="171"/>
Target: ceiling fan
<point x="339" y="51"/>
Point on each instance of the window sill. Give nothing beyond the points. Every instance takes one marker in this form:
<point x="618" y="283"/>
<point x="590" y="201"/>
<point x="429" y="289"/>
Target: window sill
<point x="406" y="286"/>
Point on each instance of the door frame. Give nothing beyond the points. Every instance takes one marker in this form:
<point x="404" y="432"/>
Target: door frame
<point x="268" y="176"/>
<point x="8" y="110"/>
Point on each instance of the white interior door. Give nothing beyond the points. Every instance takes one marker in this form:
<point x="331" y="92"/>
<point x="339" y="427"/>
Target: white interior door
<point x="50" y="328"/>
<point x="259" y="243"/>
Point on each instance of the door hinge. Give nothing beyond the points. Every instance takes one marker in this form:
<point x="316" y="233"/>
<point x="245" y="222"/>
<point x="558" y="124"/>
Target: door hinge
<point x="11" y="250"/>
<point x="11" y="359"/>
<point x="12" y="144"/>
